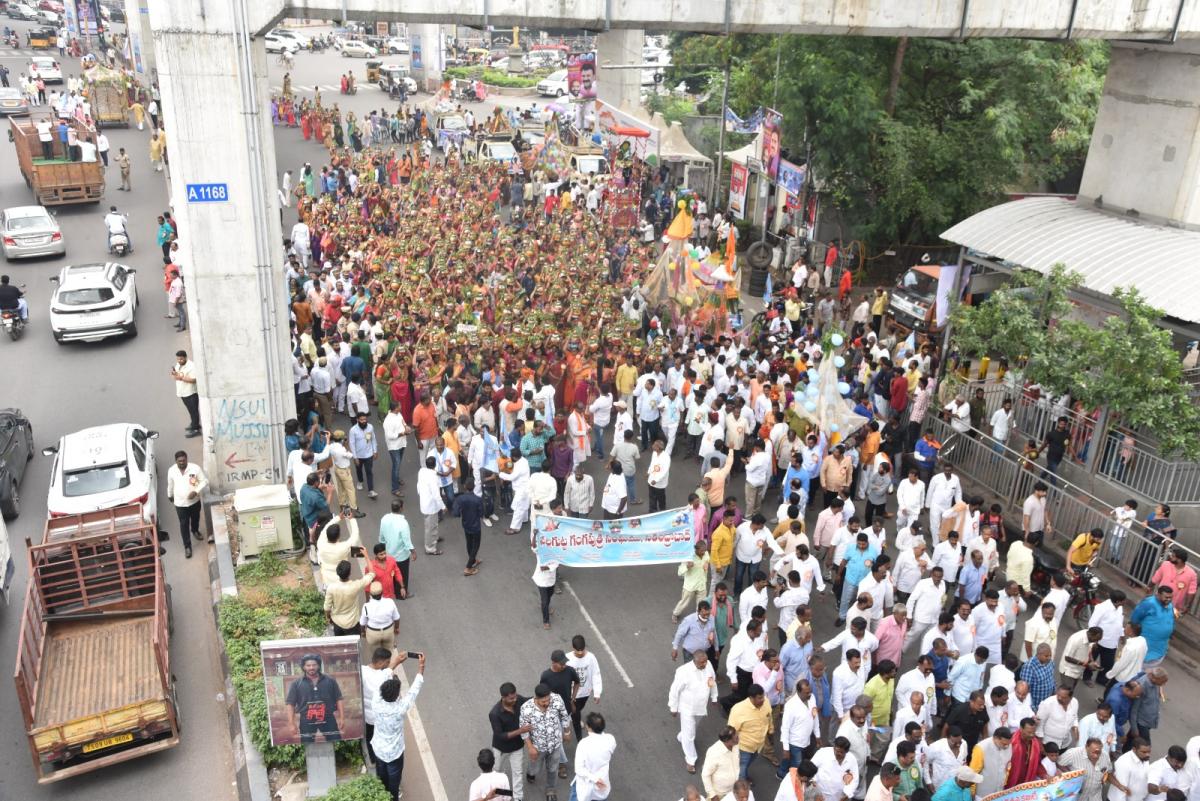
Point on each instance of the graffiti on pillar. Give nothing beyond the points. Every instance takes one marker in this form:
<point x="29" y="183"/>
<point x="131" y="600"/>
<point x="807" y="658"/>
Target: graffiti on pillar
<point x="242" y="435"/>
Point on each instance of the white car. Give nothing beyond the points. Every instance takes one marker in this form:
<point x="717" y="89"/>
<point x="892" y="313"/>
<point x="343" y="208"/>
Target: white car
<point x="553" y="85"/>
<point x="302" y="41"/>
<point x="103" y="467"/>
<point x="93" y="302"/>
<point x="30" y="231"/>
<point x="48" y="68"/>
<point x="396" y="45"/>
<point x="280" y="44"/>
<point x="48" y="17"/>
<point x="356" y="49"/>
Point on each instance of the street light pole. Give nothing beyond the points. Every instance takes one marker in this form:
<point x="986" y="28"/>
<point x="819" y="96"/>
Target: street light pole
<point x="712" y="192"/>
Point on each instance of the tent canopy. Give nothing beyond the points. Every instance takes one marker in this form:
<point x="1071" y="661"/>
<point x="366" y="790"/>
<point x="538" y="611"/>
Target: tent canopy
<point x="674" y="146"/>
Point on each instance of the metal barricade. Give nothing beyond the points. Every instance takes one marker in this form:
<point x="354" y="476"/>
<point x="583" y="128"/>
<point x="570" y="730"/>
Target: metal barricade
<point x="1134" y="554"/>
<point x="1126" y="462"/>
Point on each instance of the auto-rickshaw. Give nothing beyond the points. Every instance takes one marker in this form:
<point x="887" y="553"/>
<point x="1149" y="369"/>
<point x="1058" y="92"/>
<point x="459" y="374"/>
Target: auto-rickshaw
<point x="44" y="38"/>
<point x="373" y="71"/>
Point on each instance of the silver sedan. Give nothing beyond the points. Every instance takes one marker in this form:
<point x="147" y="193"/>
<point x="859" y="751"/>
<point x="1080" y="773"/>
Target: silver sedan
<point x="30" y="231"/>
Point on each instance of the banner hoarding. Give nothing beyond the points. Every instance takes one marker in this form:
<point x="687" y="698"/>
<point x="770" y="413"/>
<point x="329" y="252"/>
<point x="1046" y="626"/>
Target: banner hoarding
<point x="658" y="538"/>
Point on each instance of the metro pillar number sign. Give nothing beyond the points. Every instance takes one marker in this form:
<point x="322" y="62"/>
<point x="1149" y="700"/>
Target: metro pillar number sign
<point x="207" y="193"/>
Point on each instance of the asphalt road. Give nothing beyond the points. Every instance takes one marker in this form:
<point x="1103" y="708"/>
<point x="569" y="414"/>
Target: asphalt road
<point x="486" y="629"/>
<point x="478" y="631"/>
<point x="65" y="388"/>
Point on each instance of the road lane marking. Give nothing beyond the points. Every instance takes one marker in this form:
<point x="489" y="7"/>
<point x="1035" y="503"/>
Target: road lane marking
<point x="424" y="748"/>
<point x="596" y="629"/>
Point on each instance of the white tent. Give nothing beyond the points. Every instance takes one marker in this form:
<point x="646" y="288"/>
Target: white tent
<point x="675" y="147"/>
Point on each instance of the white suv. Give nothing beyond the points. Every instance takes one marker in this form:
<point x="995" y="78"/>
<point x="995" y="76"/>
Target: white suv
<point x="92" y="302"/>
<point x="103" y="467"/>
<point x="553" y="85"/>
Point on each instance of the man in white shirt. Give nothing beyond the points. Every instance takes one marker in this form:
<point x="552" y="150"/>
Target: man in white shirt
<point x="799" y="725"/>
<point x="379" y="619"/>
<point x="743" y="655"/>
<point x="1109" y="617"/>
<point x="373" y="675"/>
<point x="649" y="410"/>
<point x="945" y="490"/>
<point x="615" y="497"/>
<point x="186" y="483"/>
<point x="925" y="605"/>
<point x="913" y="708"/>
<point x="579" y="493"/>
<point x="658" y="473"/>
<point x="754" y="595"/>
<point x="184" y="373"/>
<point x="945" y="757"/>
<point x="1058" y="718"/>
<point x="1041" y="628"/>
<point x="1001" y="424"/>
<point x="692" y="690"/>
<point x="910" y="567"/>
<point x="960" y="414"/>
<point x="1168" y="773"/>
<point x="489" y="780"/>
<point x="1131" y="774"/>
<point x="837" y="770"/>
<point x="758" y="472"/>
<point x="846" y="684"/>
<point x="432" y="505"/>
<point x="910" y="498"/>
<point x="522" y="501"/>
<point x="395" y="438"/>
<point x="751" y="541"/>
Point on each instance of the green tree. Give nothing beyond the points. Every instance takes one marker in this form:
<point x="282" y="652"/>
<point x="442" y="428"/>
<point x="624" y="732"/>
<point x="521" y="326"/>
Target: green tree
<point x="1128" y="364"/>
<point x="909" y="137"/>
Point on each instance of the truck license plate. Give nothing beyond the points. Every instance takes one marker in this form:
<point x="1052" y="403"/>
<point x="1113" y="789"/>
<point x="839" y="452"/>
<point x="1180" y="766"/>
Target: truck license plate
<point x="108" y="742"/>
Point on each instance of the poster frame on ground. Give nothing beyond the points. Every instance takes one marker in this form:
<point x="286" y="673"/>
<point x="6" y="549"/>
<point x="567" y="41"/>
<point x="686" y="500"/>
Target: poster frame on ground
<point x="283" y="665"/>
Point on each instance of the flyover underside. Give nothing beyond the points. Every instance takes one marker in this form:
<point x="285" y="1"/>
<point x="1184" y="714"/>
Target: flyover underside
<point x="1142" y="20"/>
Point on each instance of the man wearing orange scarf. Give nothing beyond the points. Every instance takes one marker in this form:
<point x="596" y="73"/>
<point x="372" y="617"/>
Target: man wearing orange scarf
<point x="579" y="434"/>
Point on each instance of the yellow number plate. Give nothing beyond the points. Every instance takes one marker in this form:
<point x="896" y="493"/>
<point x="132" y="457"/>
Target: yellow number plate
<point x="107" y="742"/>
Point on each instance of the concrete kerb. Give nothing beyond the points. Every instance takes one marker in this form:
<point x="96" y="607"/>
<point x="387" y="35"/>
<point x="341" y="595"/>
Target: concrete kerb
<point x="249" y="770"/>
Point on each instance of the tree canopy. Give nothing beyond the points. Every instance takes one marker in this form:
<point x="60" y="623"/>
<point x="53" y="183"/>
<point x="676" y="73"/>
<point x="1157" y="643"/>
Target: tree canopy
<point x="1127" y="364"/>
<point x="911" y="136"/>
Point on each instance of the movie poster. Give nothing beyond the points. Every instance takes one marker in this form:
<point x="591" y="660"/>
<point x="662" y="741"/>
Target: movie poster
<point x="738" y="178"/>
<point x="581" y="76"/>
<point x="770" y="143"/>
<point x="314" y="690"/>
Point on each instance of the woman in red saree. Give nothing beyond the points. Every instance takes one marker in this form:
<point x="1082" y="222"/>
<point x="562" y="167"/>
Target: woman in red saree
<point x="402" y="394"/>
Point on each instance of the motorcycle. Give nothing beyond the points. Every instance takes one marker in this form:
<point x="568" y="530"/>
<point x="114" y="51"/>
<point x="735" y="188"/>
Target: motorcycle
<point x="318" y="45"/>
<point x="1085" y="594"/>
<point x="13" y="324"/>
<point x="466" y="91"/>
<point x="118" y="243"/>
<point x="14" y="41"/>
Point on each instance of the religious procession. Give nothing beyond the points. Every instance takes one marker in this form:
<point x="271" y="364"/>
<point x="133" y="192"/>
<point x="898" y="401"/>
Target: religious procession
<point x="530" y="343"/>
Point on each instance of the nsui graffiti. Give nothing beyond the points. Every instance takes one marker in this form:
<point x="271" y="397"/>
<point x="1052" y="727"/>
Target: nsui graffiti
<point x="242" y="431"/>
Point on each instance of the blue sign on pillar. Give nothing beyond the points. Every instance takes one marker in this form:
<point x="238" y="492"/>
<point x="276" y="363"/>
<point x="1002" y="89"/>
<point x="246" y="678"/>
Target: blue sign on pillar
<point x="207" y="193"/>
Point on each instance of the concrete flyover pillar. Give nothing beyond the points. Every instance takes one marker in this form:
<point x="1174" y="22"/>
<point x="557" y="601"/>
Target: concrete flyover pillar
<point x="141" y="47"/>
<point x="620" y="87"/>
<point x="215" y="101"/>
<point x="1145" y="150"/>
<point x="427" y="54"/>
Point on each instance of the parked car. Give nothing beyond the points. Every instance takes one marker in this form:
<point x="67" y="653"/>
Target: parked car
<point x="553" y="85"/>
<point x="397" y="45"/>
<point x="48" y="68"/>
<point x="30" y="231"/>
<point x="353" y="48"/>
<point x="12" y="101"/>
<point x="280" y="44"/>
<point x="300" y="39"/>
<point x="16" y="449"/>
<point x="101" y="468"/>
<point x="21" y="11"/>
<point x="48" y="17"/>
<point x="93" y="302"/>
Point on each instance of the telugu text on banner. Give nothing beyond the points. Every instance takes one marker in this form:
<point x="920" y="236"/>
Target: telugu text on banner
<point x="644" y="540"/>
<point x="1063" y="787"/>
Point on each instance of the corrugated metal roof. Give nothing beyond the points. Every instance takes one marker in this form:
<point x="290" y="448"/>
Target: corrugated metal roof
<point x="1108" y="251"/>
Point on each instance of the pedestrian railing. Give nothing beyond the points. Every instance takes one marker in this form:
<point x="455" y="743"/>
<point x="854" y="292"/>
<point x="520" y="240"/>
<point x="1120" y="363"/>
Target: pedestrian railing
<point x="1130" y="462"/>
<point x="1134" y="555"/>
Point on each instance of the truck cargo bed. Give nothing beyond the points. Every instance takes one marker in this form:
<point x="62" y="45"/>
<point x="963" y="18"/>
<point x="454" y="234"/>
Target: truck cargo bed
<point x="94" y="666"/>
